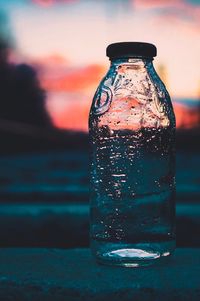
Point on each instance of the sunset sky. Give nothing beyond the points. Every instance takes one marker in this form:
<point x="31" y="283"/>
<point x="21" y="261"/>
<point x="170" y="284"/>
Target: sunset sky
<point x="68" y="39"/>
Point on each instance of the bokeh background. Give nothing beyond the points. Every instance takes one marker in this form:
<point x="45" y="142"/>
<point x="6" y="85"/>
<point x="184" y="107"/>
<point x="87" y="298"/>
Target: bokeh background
<point x="52" y="57"/>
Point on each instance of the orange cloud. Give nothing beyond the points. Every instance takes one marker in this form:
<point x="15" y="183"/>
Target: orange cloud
<point x="74" y="80"/>
<point x="73" y="113"/>
<point x="186" y="117"/>
<point x="74" y="116"/>
<point x="69" y="110"/>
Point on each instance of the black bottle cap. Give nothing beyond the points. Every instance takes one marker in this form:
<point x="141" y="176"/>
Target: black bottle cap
<point x="131" y="49"/>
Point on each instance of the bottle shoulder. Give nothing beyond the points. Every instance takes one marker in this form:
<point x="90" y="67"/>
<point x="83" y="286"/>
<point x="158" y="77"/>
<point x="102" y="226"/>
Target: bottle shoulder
<point x="133" y="96"/>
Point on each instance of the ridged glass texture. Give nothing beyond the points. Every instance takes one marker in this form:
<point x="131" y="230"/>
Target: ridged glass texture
<point x="132" y="155"/>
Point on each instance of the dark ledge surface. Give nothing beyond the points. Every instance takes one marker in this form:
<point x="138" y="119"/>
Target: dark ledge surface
<point x="73" y="275"/>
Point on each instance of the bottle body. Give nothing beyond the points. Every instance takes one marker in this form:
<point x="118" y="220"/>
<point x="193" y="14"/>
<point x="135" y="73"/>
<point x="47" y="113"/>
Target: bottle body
<point x="132" y="145"/>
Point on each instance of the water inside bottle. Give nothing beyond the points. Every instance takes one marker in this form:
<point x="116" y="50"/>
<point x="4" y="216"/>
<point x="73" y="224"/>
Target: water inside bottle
<point x="132" y="197"/>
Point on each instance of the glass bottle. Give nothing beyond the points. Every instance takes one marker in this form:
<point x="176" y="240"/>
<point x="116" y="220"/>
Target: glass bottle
<point x="132" y="151"/>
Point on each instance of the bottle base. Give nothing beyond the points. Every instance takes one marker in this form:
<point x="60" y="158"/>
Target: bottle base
<point x="131" y="255"/>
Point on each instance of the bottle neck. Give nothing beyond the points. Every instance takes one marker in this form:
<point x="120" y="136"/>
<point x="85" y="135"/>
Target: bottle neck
<point x="136" y="63"/>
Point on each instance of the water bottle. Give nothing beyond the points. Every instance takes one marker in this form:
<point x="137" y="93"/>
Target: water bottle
<point x="132" y="155"/>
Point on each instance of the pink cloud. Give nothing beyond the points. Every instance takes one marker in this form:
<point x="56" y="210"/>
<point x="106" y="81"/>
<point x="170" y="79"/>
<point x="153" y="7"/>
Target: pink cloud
<point x="172" y="10"/>
<point x="144" y="4"/>
<point x="46" y="3"/>
<point x="55" y="60"/>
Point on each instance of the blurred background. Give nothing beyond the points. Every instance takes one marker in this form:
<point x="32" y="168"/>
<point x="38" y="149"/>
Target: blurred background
<point x="52" y="57"/>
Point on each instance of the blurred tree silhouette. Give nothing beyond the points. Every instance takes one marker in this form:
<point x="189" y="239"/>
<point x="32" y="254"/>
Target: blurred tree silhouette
<point x="21" y="98"/>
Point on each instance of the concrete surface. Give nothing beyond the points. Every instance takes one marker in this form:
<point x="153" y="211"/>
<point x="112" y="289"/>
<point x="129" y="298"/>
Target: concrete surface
<point x="73" y="275"/>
